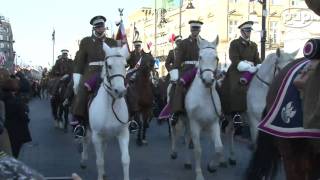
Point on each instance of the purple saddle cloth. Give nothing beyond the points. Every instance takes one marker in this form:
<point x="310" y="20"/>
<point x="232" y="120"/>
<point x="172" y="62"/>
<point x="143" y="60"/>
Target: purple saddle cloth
<point x="246" y="77"/>
<point x="165" y="113"/>
<point x="92" y="83"/>
<point x="187" y="78"/>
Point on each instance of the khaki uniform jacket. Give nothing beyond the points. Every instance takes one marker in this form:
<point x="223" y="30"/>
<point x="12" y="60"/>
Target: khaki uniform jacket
<point x="62" y="67"/>
<point x="90" y="50"/>
<point x="188" y="50"/>
<point x="134" y="58"/>
<point x="234" y="94"/>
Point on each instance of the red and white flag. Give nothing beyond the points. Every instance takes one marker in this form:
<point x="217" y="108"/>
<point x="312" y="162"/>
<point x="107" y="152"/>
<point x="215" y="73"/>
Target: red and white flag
<point x="121" y="34"/>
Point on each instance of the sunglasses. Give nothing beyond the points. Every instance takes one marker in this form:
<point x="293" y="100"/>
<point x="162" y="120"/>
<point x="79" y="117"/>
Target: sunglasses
<point x="247" y="30"/>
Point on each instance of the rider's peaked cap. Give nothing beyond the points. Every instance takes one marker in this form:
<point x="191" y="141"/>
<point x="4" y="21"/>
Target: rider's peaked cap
<point x="195" y="23"/>
<point x="246" y="25"/>
<point x="64" y="51"/>
<point x="98" y="21"/>
<point x="137" y="42"/>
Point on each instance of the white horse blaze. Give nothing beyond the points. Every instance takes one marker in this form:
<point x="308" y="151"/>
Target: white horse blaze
<point x="103" y="121"/>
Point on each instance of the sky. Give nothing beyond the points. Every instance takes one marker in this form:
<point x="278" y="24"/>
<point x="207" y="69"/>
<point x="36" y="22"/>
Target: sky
<point x="33" y="21"/>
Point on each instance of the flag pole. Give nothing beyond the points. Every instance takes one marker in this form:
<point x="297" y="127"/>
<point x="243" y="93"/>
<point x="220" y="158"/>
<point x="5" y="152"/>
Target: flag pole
<point x="53" y="42"/>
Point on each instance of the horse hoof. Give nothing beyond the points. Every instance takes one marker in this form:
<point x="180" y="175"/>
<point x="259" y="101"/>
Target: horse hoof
<point x="144" y="142"/>
<point x="211" y="169"/>
<point x="232" y="162"/>
<point x="174" y="155"/>
<point x="83" y="166"/>
<point x="187" y="166"/>
<point x="223" y="164"/>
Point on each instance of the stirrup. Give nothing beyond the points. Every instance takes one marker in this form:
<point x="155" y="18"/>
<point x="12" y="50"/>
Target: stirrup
<point x="81" y="129"/>
<point x="133" y="126"/>
<point x="237" y="119"/>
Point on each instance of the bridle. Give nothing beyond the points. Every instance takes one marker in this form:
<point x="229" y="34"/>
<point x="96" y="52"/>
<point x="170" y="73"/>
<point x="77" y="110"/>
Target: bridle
<point x="207" y="69"/>
<point x="276" y="69"/>
<point x="203" y="80"/>
<point x="108" y="86"/>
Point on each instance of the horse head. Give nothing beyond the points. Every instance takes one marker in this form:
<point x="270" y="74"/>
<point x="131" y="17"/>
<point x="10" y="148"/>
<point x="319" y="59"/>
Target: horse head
<point x="113" y="71"/>
<point x="147" y="65"/>
<point x="274" y="62"/>
<point x="208" y="60"/>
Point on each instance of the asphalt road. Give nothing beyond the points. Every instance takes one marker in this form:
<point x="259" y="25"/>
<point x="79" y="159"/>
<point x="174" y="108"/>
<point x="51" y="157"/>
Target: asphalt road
<point x="54" y="153"/>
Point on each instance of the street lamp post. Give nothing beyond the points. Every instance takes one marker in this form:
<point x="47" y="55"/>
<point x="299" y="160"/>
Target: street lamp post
<point x="263" y="30"/>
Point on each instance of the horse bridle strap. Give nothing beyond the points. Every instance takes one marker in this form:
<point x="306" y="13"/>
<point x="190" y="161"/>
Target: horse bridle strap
<point x="276" y="67"/>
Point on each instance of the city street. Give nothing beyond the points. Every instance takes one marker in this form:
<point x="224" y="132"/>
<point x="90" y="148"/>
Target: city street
<point x="54" y="154"/>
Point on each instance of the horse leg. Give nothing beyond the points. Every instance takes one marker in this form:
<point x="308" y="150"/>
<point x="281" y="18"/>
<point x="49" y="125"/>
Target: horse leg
<point x="98" y="145"/>
<point x="173" y="130"/>
<point x="230" y="140"/>
<point x="66" y="118"/>
<point x="216" y="138"/>
<point x="144" y="128"/>
<point x="188" y="141"/>
<point x="60" y="113"/>
<point x="195" y="135"/>
<point x="123" y="139"/>
<point x="84" y="154"/>
<point x="139" y="134"/>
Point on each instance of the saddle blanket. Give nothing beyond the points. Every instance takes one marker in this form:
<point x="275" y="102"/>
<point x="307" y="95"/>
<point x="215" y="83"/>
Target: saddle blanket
<point x="285" y="117"/>
<point x="186" y="80"/>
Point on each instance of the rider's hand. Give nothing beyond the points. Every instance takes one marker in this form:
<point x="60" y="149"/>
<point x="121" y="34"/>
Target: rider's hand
<point x="174" y="75"/>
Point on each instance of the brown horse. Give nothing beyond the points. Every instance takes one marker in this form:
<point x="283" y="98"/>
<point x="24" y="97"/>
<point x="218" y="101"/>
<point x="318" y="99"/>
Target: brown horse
<point x="141" y="91"/>
<point x="300" y="156"/>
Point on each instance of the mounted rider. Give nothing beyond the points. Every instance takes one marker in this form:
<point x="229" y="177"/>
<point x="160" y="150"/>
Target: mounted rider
<point x="244" y="57"/>
<point x="63" y="65"/>
<point x="186" y="59"/>
<point x="134" y="60"/>
<point x="134" y="63"/>
<point x="88" y="63"/>
<point x="172" y="54"/>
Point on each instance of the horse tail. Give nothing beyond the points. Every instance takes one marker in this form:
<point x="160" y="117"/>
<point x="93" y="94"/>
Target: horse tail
<point x="265" y="159"/>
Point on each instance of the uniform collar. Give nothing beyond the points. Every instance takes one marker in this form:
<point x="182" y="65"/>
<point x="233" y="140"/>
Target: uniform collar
<point x="244" y="42"/>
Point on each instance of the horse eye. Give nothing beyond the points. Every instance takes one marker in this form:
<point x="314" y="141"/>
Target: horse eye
<point x="200" y="57"/>
<point x="109" y="67"/>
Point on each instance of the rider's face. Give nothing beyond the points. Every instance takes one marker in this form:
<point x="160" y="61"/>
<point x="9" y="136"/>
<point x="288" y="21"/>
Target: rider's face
<point x="100" y="30"/>
<point x="195" y="31"/>
<point x="246" y="33"/>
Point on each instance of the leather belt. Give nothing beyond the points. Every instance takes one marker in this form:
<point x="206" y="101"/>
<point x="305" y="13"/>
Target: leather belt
<point x="190" y="62"/>
<point x="97" y="63"/>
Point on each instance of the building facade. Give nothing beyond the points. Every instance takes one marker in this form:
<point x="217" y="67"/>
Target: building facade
<point x="7" y="54"/>
<point x="156" y="25"/>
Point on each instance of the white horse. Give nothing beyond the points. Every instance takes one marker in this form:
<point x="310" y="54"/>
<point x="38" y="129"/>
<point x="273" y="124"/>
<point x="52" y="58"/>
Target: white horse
<point x="256" y="95"/>
<point x="108" y="112"/>
<point x="203" y="105"/>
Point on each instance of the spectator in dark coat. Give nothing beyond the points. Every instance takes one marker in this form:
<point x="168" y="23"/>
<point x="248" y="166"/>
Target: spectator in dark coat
<point x="16" y="117"/>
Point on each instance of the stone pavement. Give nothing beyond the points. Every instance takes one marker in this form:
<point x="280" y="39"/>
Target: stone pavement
<point x="54" y="153"/>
